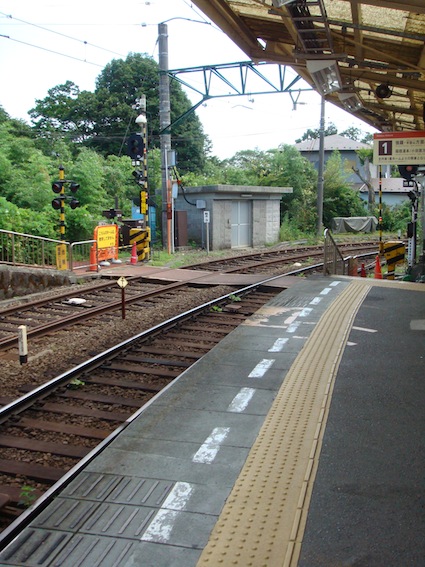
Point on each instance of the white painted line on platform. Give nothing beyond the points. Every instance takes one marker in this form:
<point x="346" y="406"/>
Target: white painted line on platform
<point x="241" y="400"/>
<point x="365" y="330"/>
<point x="349" y="343"/>
<point x="292" y="328"/>
<point x="325" y="291"/>
<point x="207" y="452"/>
<point x="306" y="311"/>
<point x="417" y="325"/>
<point x="159" y="530"/>
<point x="278" y="345"/>
<point x="178" y="496"/>
<point x="315" y="300"/>
<point x="261" y="368"/>
<point x="333" y="284"/>
<point x="291" y="319"/>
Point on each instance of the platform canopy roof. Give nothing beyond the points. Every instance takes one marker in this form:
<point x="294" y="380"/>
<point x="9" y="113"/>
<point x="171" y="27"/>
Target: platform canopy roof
<point x="365" y="56"/>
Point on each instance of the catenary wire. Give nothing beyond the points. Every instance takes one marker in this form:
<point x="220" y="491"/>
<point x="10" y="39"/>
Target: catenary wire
<point x="61" y="34"/>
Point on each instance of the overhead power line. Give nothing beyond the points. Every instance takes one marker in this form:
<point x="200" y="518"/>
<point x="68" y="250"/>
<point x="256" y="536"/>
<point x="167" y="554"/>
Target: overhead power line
<point x="51" y="51"/>
<point x="59" y="33"/>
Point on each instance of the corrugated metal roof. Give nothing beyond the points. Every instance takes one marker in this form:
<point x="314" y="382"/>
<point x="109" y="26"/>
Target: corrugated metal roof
<point x="375" y="43"/>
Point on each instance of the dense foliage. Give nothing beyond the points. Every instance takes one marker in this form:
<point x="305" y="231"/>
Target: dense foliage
<point x="85" y="133"/>
<point x="103" y="119"/>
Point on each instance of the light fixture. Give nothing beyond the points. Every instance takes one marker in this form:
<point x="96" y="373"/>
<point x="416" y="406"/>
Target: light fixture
<point x="325" y="74"/>
<point x="350" y="101"/>
<point x="383" y="91"/>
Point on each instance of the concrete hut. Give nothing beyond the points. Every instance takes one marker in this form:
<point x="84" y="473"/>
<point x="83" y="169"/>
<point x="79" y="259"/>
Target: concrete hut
<point x="229" y="216"/>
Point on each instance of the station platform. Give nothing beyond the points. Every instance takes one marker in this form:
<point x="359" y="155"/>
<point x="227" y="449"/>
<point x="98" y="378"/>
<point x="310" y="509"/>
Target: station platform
<point x="297" y="441"/>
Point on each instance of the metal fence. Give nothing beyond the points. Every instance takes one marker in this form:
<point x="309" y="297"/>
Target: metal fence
<point x="83" y="256"/>
<point x="25" y="249"/>
<point x="334" y="262"/>
<point x="19" y="249"/>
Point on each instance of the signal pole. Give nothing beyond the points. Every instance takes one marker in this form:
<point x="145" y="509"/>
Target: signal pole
<point x="62" y="200"/>
<point x="59" y="204"/>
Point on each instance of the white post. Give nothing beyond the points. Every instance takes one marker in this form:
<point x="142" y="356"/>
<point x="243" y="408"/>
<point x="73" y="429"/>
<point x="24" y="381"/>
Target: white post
<point x="23" y="345"/>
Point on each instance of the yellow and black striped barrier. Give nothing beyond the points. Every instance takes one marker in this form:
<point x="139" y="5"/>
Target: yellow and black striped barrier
<point x="394" y="253"/>
<point x="142" y="238"/>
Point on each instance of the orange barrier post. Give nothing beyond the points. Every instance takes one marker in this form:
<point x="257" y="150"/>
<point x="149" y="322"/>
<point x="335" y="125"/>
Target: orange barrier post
<point x="134" y="254"/>
<point x="363" y="271"/>
<point x="378" y="271"/>
<point x="93" y="259"/>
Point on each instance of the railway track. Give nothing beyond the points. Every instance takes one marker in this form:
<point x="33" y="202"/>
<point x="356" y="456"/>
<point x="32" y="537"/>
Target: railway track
<point x="49" y="432"/>
<point x="53" y="427"/>
<point x="44" y="316"/>
<point x="264" y="261"/>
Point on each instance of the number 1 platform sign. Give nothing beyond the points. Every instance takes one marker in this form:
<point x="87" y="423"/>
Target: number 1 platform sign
<point x="399" y="148"/>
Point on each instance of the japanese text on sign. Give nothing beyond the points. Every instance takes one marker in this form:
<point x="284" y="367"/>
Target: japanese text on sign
<point x="106" y="236"/>
<point x="399" y="148"/>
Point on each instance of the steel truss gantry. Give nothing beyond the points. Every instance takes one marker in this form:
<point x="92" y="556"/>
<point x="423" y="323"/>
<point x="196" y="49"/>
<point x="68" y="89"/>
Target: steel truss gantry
<point x="243" y="78"/>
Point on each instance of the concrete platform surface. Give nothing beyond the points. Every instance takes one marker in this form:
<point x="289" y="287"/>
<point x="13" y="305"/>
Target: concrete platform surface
<point x="297" y="441"/>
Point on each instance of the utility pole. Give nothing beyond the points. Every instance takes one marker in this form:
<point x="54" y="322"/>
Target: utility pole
<point x="320" y="181"/>
<point x="165" y="135"/>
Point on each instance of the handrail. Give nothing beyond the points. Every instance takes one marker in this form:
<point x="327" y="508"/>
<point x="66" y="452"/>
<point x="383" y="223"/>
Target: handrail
<point x="333" y="262"/>
<point x="18" y="248"/>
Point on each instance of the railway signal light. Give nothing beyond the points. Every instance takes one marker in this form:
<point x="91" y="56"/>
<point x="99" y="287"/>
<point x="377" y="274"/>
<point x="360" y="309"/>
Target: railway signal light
<point x="135" y="147"/>
<point x="57" y="186"/>
<point x="74" y="186"/>
<point x="74" y="203"/>
<point x="408" y="171"/>
<point x="57" y="203"/>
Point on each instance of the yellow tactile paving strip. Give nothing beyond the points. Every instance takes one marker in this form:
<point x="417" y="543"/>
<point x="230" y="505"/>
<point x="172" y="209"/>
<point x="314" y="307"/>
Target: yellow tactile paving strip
<point x="263" y="520"/>
<point x="409" y="286"/>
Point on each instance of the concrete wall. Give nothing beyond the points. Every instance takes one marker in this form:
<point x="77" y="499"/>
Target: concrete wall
<point x="221" y="225"/>
<point x="18" y="281"/>
<point x="265" y="222"/>
<point x="218" y="199"/>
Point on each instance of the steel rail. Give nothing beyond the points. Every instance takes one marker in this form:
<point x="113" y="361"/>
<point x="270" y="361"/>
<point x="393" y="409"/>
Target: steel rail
<point x="60" y="323"/>
<point x="43" y="391"/>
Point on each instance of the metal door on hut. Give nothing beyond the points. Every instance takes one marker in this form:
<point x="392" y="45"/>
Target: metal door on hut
<point x="241" y="224"/>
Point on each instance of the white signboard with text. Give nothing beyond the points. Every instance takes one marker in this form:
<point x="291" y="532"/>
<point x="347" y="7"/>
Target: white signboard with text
<point x="399" y="148"/>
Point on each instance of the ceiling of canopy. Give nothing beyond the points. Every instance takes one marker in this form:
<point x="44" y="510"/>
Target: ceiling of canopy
<point x="365" y="56"/>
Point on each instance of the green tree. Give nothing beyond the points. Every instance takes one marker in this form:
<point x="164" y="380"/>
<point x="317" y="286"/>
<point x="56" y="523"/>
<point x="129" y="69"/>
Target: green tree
<point x="25" y="221"/>
<point x="339" y="199"/>
<point x="314" y="134"/>
<point x="352" y="133"/>
<point x="61" y="111"/>
<point x="103" y="120"/>
<point x="24" y="170"/>
<point x="88" y="171"/>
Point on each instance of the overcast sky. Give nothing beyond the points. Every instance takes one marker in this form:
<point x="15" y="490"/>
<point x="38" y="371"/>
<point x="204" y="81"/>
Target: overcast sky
<point x="44" y="43"/>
